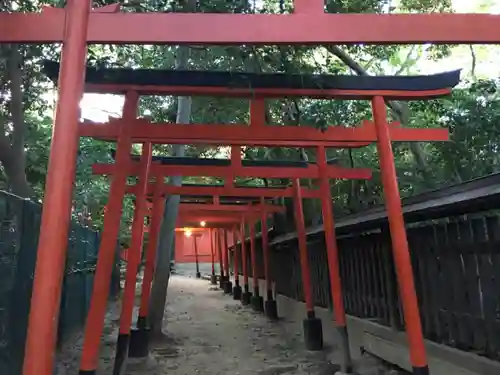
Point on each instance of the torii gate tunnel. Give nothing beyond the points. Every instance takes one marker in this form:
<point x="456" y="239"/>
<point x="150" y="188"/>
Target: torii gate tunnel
<point x="78" y="24"/>
<point x="246" y="213"/>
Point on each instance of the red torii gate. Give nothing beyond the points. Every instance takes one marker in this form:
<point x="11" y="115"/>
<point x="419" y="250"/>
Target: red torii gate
<point x="77" y="25"/>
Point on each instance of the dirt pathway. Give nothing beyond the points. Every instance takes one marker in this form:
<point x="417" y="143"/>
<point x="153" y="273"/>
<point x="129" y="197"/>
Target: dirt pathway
<point x="209" y="333"/>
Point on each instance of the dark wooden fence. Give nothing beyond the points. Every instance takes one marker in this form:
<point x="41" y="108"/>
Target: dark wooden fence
<point x="455" y="252"/>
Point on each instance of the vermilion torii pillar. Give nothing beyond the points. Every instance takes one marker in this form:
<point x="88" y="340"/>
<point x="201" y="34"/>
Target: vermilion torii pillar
<point x="236" y="257"/>
<point x="195" y="245"/>
<point x="333" y="259"/>
<point x="222" y="278"/>
<point x="400" y="249"/>
<point x="100" y="292"/>
<point x="55" y="221"/>
<point x="246" y="295"/>
<point x="313" y="330"/>
<point x="189" y="233"/>
<point x="213" y="278"/>
<point x="139" y="337"/>
<point x="228" y="285"/>
<point x="257" y="301"/>
<point x="271" y="307"/>
<point x="133" y="262"/>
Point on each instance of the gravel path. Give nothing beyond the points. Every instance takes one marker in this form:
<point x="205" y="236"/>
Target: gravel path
<point x="208" y="333"/>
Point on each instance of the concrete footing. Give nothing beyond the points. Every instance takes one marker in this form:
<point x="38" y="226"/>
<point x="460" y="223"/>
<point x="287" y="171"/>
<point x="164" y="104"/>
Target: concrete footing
<point x="142" y="322"/>
<point x="222" y="281"/>
<point x="313" y="332"/>
<point x="228" y="287"/>
<point x="257" y="303"/>
<point x="271" y="309"/>
<point x="420" y="370"/>
<point x="213" y="279"/>
<point x="122" y="344"/>
<point x="246" y="295"/>
<point x="246" y="298"/>
<point x="347" y="366"/>
<point x="237" y="292"/>
<point x="139" y="343"/>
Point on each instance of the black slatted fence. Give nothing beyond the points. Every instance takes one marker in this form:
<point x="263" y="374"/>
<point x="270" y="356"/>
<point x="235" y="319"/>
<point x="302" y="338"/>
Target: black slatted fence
<point x="456" y="265"/>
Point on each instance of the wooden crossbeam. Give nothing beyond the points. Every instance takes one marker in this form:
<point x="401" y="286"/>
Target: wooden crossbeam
<point x="300" y="28"/>
<point x="229" y="172"/>
<point x="291" y="136"/>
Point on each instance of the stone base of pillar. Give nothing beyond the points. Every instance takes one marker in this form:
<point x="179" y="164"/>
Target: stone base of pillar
<point x="121" y="355"/>
<point x="222" y="281"/>
<point x="228" y="287"/>
<point x="313" y="333"/>
<point x="245" y="298"/>
<point x="237" y="292"/>
<point x="257" y="303"/>
<point x="271" y="308"/>
<point x="139" y="343"/>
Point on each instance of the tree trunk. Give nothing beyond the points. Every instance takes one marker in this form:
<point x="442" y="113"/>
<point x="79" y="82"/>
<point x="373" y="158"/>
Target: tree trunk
<point x="162" y="267"/>
<point x="166" y="250"/>
<point x="166" y="242"/>
<point x="12" y="154"/>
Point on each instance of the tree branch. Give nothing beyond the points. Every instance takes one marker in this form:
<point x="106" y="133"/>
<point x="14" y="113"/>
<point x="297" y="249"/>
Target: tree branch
<point x="359" y="70"/>
<point x="407" y="62"/>
<point x="474" y="59"/>
<point x="401" y="112"/>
